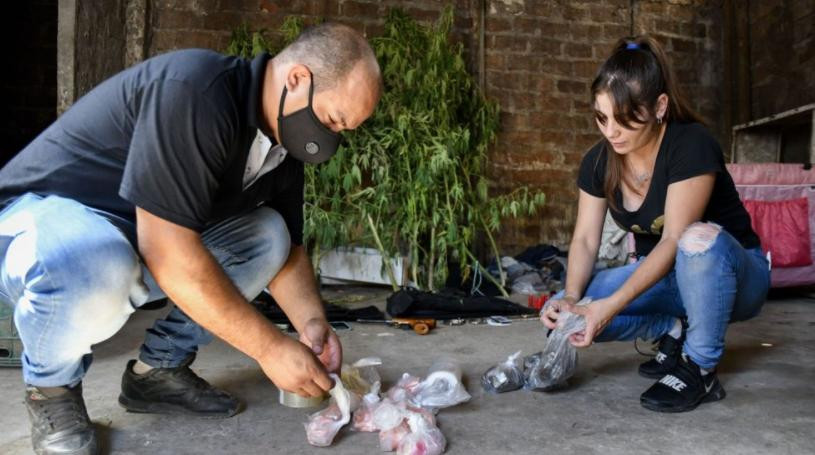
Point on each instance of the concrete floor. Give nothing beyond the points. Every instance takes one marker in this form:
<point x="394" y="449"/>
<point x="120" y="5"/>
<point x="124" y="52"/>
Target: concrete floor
<point x="768" y="373"/>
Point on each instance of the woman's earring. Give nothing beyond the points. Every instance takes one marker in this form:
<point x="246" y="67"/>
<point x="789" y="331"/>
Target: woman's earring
<point x="659" y="120"/>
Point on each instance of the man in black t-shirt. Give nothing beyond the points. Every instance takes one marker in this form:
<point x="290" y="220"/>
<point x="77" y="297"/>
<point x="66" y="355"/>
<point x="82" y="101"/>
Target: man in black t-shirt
<point x="181" y="176"/>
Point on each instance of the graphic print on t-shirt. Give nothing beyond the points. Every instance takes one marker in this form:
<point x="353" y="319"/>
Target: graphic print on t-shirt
<point x="656" y="227"/>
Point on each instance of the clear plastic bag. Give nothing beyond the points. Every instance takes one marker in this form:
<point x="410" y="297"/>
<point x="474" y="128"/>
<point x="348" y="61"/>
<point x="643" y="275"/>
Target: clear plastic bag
<point x="423" y="439"/>
<point x="323" y="426"/>
<point x="504" y="377"/>
<point x="389" y="440"/>
<point x="360" y="377"/>
<point x="363" y="418"/>
<point x="550" y="369"/>
<point x="442" y="387"/>
<point x="388" y="414"/>
<point x="405" y="388"/>
<point x="392" y="409"/>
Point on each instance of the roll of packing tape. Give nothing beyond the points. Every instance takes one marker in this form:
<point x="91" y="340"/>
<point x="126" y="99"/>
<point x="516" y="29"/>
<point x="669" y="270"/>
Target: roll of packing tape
<point x="292" y="400"/>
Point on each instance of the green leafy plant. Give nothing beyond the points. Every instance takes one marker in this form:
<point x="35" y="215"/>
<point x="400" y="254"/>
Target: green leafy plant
<point x="410" y="181"/>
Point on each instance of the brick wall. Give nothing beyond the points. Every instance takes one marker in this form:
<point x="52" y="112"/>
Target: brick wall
<point x="540" y="58"/>
<point x="782" y="55"/>
<point x="691" y="32"/>
<point x="29" y="84"/>
<point x="178" y="24"/>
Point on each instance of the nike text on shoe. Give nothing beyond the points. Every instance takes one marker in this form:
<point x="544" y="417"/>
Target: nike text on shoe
<point x="682" y="389"/>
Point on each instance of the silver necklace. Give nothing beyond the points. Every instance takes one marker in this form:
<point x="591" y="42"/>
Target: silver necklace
<point x="642" y="178"/>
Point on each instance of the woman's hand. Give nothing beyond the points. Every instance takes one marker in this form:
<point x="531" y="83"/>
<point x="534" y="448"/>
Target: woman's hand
<point x="552" y="308"/>
<point x="598" y="314"/>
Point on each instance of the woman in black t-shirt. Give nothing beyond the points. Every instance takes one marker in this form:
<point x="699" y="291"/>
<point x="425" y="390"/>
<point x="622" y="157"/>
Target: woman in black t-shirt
<point x="700" y="265"/>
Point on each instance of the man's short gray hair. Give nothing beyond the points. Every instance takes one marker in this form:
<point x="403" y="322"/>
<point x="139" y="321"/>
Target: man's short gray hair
<point x="331" y="51"/>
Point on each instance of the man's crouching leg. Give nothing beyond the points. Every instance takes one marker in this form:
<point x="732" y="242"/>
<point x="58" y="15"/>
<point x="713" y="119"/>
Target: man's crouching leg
<point x="73" y="279"/>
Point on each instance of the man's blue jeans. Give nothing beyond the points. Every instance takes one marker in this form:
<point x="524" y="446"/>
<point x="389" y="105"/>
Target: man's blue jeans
<point x="74" y="279"/>
<point x="711" y="288"/>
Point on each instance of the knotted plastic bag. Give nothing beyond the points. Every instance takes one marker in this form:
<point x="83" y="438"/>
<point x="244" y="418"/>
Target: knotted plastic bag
<point x="323" y="425"/>
<point x="361" y="376"/>
<point x="442" y="387"/>
<point x="363" y="419"/>
<point x="388" y="414"/>
<point x="504" y="377"/>
<point x="551" y="368"/>
<point x="424" y="438"/>
<point x="405" y="388"/>
<point x="389" y="440"/>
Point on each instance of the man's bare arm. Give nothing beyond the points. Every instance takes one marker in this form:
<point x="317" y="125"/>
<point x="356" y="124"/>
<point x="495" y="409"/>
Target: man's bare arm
<point x="194" y="280"/>
<point x="295" y="290"/>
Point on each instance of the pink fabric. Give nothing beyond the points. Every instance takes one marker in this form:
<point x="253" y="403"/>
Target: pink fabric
<point x="783" y="227"/>
<point x="771" y="174"/>
<point x="780" y="182"/>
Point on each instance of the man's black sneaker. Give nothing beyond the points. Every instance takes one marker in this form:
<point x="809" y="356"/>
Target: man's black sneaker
<point x="59" y="421"/>
<point x="668" y="351"/>
<point x="174" y="391"/>
<point x="682" y="389"/>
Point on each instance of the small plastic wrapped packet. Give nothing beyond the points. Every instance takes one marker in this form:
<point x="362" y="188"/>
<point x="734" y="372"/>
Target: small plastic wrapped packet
<point x="550" y="369"/>
<point x="389" y="440"/>
<point x="323" y="426"/>
<point x="363" y="419"/>
<point x="424" y="439"/>
<point x="389" y="414"/>
<point x="442" y="387"/>
<point x="504" y="377"/>
<point x="426" y="414"/>
<point x="362" y="375"/>
<point x="405" y="388"/>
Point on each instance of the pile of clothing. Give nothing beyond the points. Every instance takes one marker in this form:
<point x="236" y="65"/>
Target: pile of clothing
<point x="537" y="270"/>
<point x="404" y="416"/>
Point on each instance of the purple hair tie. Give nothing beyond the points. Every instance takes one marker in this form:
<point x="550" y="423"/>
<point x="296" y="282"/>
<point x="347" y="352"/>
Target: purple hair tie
<point x="632" y="46"/>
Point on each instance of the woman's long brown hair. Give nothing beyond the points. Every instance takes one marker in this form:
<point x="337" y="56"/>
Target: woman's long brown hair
<point x="634" y="76"/>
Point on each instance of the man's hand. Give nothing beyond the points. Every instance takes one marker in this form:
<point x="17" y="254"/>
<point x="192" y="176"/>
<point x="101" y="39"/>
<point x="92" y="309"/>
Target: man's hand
<point x="598" y="314"/>
<point x="295" y="290"/>
<point x="318" y="335"/>
<point x="294" y="368"/>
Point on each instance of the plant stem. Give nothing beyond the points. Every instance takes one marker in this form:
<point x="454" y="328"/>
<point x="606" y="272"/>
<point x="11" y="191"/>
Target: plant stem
<point x="315" y="258"/>
<point x="385" y="257"/>
<point x="487" y="275"/>
<point x="432" y="258"/>
<point x="414" y="263"/>
<point x="495" y="252"/>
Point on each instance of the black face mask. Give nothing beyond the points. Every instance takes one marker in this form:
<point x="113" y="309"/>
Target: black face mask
<point x="303" y="135"/>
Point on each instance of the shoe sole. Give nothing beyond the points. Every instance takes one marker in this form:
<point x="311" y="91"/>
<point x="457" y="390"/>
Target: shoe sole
<point x="91" y="448"/>
<point x="716" y="394"/>
<point x="147" y="407"/>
